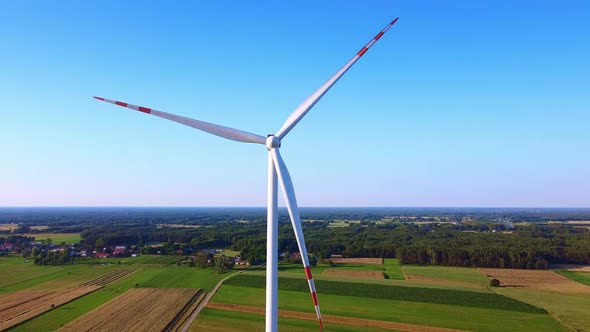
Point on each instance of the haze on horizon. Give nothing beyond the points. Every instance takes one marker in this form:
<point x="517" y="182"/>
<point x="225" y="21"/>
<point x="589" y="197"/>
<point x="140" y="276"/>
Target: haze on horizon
<point x="471" y="104"/>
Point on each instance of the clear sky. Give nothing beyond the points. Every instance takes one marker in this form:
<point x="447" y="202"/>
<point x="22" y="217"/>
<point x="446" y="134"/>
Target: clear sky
<point x="461" y="103"/>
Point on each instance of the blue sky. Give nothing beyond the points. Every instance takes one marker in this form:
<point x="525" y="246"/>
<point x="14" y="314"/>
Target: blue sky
<point x="461" y="103"/>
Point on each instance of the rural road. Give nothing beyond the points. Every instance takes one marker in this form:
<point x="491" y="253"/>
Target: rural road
<point x="210" y="295"/>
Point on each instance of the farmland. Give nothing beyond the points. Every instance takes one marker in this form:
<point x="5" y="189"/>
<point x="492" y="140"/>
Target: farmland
<point x="133" y="273"/>
<point x="68" y="238"/>
<point x="18" y="307"/>
<point x="448" y="316"/>
<point x="140" y="309"/>
<point x="383" y="302"/>
<point x="581" y="277"/>
<point x="539" y="280"/>
<point x="442" y="302"/>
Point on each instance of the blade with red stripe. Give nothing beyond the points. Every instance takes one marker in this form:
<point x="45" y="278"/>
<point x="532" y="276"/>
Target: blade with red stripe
<point x="308" y="104"/>
<point x="291" y="202"/>
<point x="221" y="131"/>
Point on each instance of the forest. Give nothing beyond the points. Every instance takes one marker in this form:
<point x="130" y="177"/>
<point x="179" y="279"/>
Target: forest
<point x="485" y="240"/>
<point x="528" y="247"/>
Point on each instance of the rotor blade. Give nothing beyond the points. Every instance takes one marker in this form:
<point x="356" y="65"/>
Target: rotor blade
<point x="302" y="109"/>
<point x="291" y="202"/>
<point x="221" y="131"/>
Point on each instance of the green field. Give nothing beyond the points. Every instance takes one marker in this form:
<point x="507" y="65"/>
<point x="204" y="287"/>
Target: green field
<point x="450" y="316"/>
<point x="224" y="320"/>
<point x="57" y="238"/>
<point x="375" y="291"/>
<point x="571" y="309"/>
<point x="581" y="277"/>
<point x="393" y="269"/>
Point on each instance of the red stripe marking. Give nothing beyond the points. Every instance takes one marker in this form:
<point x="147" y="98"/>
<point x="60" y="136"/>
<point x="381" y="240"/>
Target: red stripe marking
<point x="308" y="272"/>
<point x="314" y="296"/>
<point x="379" y="35"/>
<point x="393" y="22"/>
<point x="361" y="52"/>
<point x="321" y="325"/>
<point x="145" y="109"/>
<point x="120" y="103"/>
<point x="99" y="98"/>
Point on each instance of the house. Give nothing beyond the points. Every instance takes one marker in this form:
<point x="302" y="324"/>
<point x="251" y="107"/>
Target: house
<point x="241" y="262"/>
<point x="7" y="246"/>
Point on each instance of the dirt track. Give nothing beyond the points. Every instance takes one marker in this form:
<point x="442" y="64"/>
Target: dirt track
<point x="536" y="279"/>
<point x="335" y="319"/>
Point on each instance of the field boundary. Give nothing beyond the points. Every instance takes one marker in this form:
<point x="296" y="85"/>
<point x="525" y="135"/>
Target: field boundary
<point x="335" y="319"/>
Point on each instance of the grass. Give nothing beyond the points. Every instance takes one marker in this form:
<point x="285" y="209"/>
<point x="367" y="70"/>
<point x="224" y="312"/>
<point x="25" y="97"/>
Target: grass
<point x="571" y="309"/>
<point x="183" y="277"/>
<point x="375" y="291"/>
<point x="441" y="315"/>
<point x="581" y="277"/>
<point x="393" y="269"/>
<point x="224" y="320"/>
<point x="57" y="238"/>
<point x="462" y="274"/>
<point x="229" y="253"/>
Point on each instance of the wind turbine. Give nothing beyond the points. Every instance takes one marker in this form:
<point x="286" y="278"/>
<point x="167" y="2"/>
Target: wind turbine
<point x="276" y="170"/>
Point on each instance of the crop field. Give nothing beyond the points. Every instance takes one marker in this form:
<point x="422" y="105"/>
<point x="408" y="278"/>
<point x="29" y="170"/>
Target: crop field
<point x="354" y="274"/>
<point x="536" y="279"/>
<point x="419" y="313"/>
<point x="18" y="307"/>
<point x="376" y="261"/>
<point x="331" y="320"/>
<point x="581" y="277"/>
<point x="146" y="275"/>
<point x="448" y="273"/>
<point x="375" y="291"/>
<point x="216" y="320"/>
<point x="57" y="238"/>
<point x="108" y="278"/>
<point x="141" y="309"/>
<point x="393" y="269"/>
<point x="570" y="309"/>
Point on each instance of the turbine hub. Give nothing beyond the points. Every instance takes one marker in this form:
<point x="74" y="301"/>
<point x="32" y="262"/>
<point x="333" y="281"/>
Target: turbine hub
<point x="272" y="142"/>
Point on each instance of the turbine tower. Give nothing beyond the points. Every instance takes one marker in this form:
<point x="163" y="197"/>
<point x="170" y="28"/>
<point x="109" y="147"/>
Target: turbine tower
<point x="277" y="172"/>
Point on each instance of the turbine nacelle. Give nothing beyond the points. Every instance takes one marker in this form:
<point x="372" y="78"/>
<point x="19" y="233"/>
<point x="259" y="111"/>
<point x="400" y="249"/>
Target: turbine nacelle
<point x="272" y="142"/>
